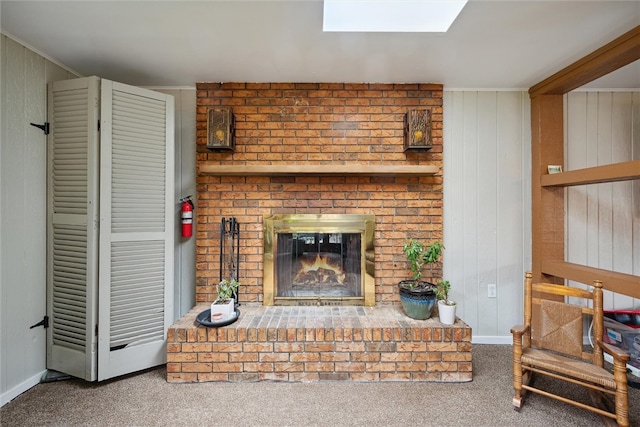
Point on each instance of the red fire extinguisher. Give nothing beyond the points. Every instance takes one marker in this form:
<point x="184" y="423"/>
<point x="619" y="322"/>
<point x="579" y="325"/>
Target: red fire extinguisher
<point x="187" y="216"/>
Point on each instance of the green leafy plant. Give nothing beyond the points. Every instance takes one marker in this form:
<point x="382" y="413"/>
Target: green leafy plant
<point x="420" y="254"/>
<point x="226" y="289"/>
<point x="443" y="291"/>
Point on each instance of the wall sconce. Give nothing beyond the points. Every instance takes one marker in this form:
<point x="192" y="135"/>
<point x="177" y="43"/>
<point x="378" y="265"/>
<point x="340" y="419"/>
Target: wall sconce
<point x="417" y="130"/>
<point x="221" y="133"/>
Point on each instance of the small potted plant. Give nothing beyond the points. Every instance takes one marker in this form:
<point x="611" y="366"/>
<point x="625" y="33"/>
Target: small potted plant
<point x="223" y="308"/>
<point x="418" y="297"/>
<point x="446" y="307"/>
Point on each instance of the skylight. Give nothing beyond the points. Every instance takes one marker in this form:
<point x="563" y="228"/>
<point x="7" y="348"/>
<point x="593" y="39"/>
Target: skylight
<point x="400" y="16"/>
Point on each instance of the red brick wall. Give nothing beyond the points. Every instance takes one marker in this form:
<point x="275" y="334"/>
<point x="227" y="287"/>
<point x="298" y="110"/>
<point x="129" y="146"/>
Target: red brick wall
<point x="317" y="123"/>
<point x="283" y="345"/>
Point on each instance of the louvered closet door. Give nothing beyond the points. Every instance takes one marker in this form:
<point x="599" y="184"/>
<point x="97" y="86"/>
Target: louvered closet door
<point x="72" y="229"/>
<point x="136" y="228"/>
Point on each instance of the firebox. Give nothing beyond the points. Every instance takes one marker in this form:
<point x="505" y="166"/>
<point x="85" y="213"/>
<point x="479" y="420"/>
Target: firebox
<point x="319" y="259"/>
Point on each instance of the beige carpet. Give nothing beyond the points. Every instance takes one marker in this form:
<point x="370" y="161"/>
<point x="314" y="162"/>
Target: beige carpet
<point x="146" y="399"/>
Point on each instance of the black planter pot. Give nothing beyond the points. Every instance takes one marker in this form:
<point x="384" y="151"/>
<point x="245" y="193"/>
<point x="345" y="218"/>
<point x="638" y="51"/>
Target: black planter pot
<point x="417" y="302"/>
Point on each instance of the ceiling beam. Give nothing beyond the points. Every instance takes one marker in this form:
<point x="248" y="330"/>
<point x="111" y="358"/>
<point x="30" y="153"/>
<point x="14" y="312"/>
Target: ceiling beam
<point x="620" y="52"/>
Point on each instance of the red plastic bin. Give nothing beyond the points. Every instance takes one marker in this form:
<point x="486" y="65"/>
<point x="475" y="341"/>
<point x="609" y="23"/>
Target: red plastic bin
<point x="626" y="317"/>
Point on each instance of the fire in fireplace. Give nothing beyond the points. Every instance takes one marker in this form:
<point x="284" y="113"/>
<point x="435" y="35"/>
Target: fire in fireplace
<point x="318" y="259"/>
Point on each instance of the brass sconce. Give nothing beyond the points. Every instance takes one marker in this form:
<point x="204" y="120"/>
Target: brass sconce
<point x="417" y="130"/>
<point x="221" y="129"/>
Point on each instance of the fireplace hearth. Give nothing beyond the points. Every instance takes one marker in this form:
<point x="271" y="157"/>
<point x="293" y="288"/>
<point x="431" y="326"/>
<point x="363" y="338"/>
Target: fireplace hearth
<point x="318" y="259"/>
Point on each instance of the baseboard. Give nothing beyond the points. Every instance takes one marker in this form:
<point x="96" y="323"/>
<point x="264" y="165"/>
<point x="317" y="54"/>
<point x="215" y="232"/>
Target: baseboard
<point x="488" y="339"/>
<point x="16" y="391"/>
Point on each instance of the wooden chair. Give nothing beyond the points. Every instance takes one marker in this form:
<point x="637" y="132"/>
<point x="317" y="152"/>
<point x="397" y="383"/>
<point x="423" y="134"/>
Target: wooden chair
<point x="551" y="343"/>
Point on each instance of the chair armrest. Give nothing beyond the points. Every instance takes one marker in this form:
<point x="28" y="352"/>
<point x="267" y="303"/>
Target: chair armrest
<point x="617" y="353"/>
<point x="519" y="330"/>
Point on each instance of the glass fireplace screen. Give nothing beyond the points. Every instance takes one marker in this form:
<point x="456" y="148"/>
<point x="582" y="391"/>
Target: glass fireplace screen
<point x="319" y="259"/>
<point x="318" y="265"/>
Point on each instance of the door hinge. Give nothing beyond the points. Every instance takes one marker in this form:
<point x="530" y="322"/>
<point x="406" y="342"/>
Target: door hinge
<point x="98" y="125"/>
<point x="44" y="322"/>
<point x="96" y="329"/>
<point x="44" y="127"/>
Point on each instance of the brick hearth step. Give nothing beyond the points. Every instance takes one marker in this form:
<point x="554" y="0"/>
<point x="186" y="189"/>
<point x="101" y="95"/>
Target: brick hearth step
<point x="310" y="343"/>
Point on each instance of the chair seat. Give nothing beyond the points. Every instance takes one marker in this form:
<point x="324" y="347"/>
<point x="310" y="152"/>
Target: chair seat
<point x="577" y="369"/>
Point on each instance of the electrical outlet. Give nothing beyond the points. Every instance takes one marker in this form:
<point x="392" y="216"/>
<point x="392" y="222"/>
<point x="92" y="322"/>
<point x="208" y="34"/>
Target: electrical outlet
<point x="491" y="290"/>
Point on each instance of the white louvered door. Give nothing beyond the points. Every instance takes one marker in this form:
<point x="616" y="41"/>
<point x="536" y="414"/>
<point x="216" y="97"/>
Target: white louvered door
<point x="136" y="228"/>
<point x="110" y="231"/>
<point x="72" y="229"/>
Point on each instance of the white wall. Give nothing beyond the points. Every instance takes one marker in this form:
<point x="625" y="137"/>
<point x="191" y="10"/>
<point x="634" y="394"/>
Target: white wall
<point x="24" y="78"/>
<point x="23" y="191"/>
<point x="487" y="198"/>
<point x="603" y="220"/>
<point x="487" y="207"/>
<point x="185" y="148"/>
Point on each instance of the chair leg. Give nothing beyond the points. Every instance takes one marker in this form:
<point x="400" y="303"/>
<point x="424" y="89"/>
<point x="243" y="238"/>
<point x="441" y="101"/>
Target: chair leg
<point x="518" y="372"/>
<point x="622" y="398"/>
<point x="517" y="383"/>
<point x="526" y="378"/>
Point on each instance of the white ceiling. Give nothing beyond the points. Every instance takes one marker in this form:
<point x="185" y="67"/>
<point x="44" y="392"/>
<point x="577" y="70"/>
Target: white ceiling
<point x="491" y="45"/>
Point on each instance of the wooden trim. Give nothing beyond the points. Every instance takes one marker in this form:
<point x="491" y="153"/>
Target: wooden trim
<point x="620" y="52"/>
<point x="622" y="283"/>
<point x="623" y="171"/>
<point x="547" y="148"/>
<point x="316" y="170"/>
<point x="547" y="204"/>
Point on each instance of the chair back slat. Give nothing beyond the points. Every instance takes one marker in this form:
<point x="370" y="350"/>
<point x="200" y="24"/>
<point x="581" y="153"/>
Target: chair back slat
<point x="569" y="291"/>
<point x="559" y="326"/>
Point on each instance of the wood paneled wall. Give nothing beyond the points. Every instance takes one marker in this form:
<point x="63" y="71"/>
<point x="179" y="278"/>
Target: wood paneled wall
<point x="487" y="196"/>
<point x="23" y="210"/>
<point x="603" y="220"/>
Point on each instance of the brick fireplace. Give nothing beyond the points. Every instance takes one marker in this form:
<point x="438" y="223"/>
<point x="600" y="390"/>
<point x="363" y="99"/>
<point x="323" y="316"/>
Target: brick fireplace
<point x="317" y="124"/>
<point x="318" y="148"/>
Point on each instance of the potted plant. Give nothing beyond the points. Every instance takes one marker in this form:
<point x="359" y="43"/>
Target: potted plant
<point x="446" y="307"/>
<point x="417" y="296"/>
<point x="223" y="308"/>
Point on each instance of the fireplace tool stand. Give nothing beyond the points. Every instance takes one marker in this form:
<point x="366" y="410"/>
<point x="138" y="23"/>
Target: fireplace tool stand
<point x="229" y="269"/>
<point x="230" y="252"/>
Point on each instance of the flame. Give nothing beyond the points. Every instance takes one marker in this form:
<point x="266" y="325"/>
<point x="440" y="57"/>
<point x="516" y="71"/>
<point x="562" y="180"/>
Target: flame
<point x="320" y="263"/>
